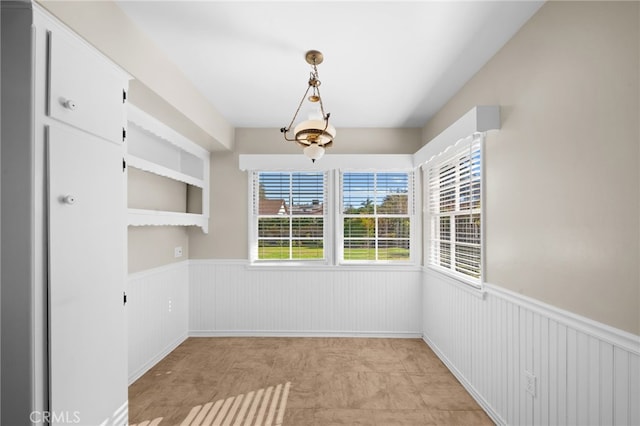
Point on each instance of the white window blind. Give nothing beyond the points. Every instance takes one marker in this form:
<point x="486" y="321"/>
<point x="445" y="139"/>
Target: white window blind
<point x="377" y="216"/>
<point x="454" y="208"/>
<point x="289" y="215"/>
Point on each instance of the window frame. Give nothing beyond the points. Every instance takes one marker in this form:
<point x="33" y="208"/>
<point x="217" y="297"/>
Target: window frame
<point x="254" y="216"/>
<point x="412" y="202"/>
<point x="333" y="239"/>
<point x="454" y="151"/>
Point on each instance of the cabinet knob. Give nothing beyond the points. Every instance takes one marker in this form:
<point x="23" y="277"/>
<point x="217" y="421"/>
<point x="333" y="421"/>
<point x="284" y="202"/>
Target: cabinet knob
<point x="69" y="199"/>
<point x="69" y="104"/>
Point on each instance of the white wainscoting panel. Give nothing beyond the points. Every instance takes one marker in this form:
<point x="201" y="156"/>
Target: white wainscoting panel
<point x="232" y="298"/>
<point x="584" y="373"/>
<point x="157" y="314"/>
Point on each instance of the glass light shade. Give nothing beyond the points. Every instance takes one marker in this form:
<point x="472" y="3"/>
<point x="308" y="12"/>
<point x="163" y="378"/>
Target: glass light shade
<point x="314" y="151"/>
<point x="316" y="125"/>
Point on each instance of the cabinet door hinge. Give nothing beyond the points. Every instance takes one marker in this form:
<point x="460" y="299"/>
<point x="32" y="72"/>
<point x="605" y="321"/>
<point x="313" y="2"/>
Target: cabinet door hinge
<point x="124" y="298"/>
<point x="124" y="134"/>
<point x="124" y="164"/>
<point x="124" y="96"/>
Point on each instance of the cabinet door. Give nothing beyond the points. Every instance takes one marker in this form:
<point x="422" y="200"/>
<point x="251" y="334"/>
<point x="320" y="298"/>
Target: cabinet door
<point x="85" y="90"/>
<point x="87" y="247"/>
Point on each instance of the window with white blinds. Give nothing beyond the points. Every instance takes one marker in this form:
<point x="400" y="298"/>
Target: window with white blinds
<point x="454" y="206"/>
<point x="377" y="216"/>
<point x="289" y="216"/>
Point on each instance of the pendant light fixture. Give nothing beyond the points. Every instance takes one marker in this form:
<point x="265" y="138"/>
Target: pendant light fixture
<point x="314" y="134"/>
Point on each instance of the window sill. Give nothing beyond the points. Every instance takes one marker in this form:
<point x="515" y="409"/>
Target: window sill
<point x="287" y="264"/>
<point x="293" y="266"/>
<point x="475" y="289"/>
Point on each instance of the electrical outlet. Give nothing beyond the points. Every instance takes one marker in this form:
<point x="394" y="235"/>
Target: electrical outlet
<point x="177" y="252"/>
<point x="530" y="383"/>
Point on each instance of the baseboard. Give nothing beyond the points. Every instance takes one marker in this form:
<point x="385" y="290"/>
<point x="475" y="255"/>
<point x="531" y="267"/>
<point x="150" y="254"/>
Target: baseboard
<point x="472" y="391"/>
<point x="285" y="333"/>
<point x="157" y="358"/>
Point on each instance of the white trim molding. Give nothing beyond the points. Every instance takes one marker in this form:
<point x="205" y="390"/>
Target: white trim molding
<point x="479" y="119"/>
<point x="619" y="338"/>
<point x="297" y="162"/>
<point x="320" y="333"/>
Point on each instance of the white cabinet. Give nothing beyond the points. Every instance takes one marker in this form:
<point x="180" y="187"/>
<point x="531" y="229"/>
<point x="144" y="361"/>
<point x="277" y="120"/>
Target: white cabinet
<point x="64" y="354"/>
<point x="86" y="228"/>
<point x="156" y="148"/>
<point x="87" y="328"/>
<point x="84" y="91"/>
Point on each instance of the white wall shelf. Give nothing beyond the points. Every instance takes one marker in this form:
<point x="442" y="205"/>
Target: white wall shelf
<point x="154" y="147"/>
<point x="141" y="217"/>
<point x="151" y="167"/>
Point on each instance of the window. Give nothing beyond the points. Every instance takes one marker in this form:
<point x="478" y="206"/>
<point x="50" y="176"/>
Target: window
<point x="454" y="207"/>
<point x="377" y="216"/>
<point x="289" y="215"/>
<point x="294" y="218"/>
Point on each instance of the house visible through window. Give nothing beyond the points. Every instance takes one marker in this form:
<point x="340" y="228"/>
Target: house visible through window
<point x="289" y="215"/>
<point x="376" y="216"/>
<point x="454" y="193"/>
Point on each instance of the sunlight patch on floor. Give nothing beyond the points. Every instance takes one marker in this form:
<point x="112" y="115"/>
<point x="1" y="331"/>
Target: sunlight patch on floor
<point x="264" y="407"/>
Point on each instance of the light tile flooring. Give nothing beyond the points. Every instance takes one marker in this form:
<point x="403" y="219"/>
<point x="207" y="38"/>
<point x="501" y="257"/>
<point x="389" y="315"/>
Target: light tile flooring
<point x="332" y="381"/>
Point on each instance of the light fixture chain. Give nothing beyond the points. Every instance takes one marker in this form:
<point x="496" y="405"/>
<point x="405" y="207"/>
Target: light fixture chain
<point x="324" y="116"/>
<point x="298" y="110"/>
<point x="316" y="89"/>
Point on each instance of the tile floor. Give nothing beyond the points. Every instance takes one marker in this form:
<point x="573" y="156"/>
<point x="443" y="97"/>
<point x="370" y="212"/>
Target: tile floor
<point x="332" y="381"/>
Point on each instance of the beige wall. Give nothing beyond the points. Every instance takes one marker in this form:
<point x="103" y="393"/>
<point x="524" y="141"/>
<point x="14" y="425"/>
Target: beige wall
<point x="152" y="192"/>
<point x="227" y="238"/>
<point x="562" y="193"/>
<point x="153" y="104"/>
<point x="153" y="246"/>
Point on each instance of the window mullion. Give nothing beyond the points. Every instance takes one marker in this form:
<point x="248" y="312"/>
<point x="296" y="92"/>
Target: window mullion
<point x="375" y="217"/>
<point x="290" y="215"/>
<point x="457" y="184"/>
<point x="452" y="239"/>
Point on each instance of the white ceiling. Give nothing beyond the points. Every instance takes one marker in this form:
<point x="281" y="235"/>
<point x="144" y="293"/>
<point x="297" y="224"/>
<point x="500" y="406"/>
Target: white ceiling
<point x="387" y="64"/>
